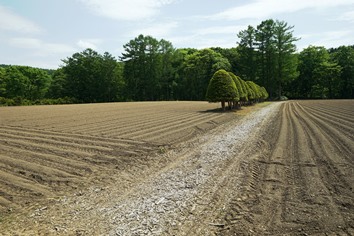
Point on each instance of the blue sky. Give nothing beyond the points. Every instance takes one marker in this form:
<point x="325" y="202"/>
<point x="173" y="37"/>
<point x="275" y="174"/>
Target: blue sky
<point x="41" y="33"/>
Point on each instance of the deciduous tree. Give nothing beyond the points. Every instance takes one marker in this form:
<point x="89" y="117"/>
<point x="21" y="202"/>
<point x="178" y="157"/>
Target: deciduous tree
<point x="90" y="77"/>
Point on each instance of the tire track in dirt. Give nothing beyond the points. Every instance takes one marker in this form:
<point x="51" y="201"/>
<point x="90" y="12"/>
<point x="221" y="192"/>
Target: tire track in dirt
<point x="201" y="191"/>
<point x="302" y="187"/>
<point x="335" y="170"/>
<point x="290" y="173"/>
<point x="182" y="172"/>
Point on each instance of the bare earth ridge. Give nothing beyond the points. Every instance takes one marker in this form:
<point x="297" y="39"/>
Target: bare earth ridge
<point x="282" y="169"/>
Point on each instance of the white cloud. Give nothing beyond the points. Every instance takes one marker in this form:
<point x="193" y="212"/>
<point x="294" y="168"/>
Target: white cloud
<point x="126" y="9"/>
<point x="35" y="52"/>
<point x="88" y="43"/>
<point x="215" y="36"/>
<point x="347" y="16"/>
<point x="159" y="30"/>
<point x="221" y="30"/>
<point x="261" y="9"/>
<point x="29" y="43"/>
<point x="335" y="38"/>
<point x="41" y="48"/>
<point x="215" y="42"/>
<point x="199" y="41"/>
<point x="10" y="21"/>
<point x="329" y="39"/>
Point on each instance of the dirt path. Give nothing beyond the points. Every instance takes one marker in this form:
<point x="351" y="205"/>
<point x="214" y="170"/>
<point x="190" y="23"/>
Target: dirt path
<point x="284" y="169"/>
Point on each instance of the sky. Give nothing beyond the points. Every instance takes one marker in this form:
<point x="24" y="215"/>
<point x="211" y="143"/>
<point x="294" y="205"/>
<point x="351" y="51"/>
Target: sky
<point x="41" y="33"/>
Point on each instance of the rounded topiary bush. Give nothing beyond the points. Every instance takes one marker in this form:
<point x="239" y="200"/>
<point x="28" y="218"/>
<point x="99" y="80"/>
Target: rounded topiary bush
<point x="256" y="90"/>
<point x="238" y="86"/>
<point x="221" y="88"/>
<point x="244" y="96"/>
<point x="250" y="92"/>
<point x="265" y="94"/>
<point x="239" y="90"/>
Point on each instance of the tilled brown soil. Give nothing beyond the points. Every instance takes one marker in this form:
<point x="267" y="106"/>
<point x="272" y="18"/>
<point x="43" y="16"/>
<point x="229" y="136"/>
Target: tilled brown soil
<point x="285" y="169"/>
<point x="46" y="151"/>
<point x="299" y="178"/>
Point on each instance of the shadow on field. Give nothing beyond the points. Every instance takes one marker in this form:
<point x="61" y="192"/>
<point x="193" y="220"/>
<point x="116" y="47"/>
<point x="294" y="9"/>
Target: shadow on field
<point x="219" y="110"/>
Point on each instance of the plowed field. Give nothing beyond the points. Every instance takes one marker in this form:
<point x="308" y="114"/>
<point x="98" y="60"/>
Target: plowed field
<point x="45" y="150"/>
<point x="178" y="168"/>
<point x="300" y="179"/>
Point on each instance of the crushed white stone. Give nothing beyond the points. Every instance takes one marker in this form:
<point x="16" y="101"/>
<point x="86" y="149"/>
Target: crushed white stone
<point x="162" y="203"/>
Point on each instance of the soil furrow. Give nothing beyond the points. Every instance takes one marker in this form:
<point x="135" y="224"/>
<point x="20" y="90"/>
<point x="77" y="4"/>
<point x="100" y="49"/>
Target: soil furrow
<point x="344" y="125"/>
<point x="173" y="128"/>
<point x="136" y="124"/>
<point x="64" y="163"/>
<point x="312" y="177"/>
<point x="341" y="142"/>
<point x="283" y="169"/>
<point x="64" y="138"/>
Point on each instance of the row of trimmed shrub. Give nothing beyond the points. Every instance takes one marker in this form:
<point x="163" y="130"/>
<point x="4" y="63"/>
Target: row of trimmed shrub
<point x="226" y="87"/>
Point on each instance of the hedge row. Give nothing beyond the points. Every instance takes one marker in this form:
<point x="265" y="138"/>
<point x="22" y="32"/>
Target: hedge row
<point x="226" y="87"/>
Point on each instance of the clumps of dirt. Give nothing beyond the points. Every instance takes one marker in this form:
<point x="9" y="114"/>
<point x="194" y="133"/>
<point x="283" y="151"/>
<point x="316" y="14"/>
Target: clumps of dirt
<point x="171" y="200"/>
<point x="282" y="169"/>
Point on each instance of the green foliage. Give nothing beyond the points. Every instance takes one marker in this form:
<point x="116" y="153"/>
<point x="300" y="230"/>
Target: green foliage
<point x="221" y="87"/>
<point x="2" y="82"/>
<point x="227" y="87"/>
<point x="57" y="88"/>
<point x="199" y="67"/>
<point x="327" y="74"/>
<point x="241" y="89"/>
<point x="248" y="55"/>
<point x="19" y="101"/>
<point x="344" y="84"/>
<point x="285" y="61"/>
<point x="311" y="62"/>
<point x="23" y="81"/>
<point x="266" y="55"/>
<point x="89" y="77"/>
<point x="251" y="94"/>
<point x="232" y="55"/>
<point x="38" y="82"/>
<point x="324" y="73"/>
<point x="264" y="92"/>
<point x="238" y="89"/>
<point x="245" y="90"/>
<point x="255" y="90"/>
<point x="6" y="101"/>
<point x="148" y="71"/>
<point x="152" y="69"/>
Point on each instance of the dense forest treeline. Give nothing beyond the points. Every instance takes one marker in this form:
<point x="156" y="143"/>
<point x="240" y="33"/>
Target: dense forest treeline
<point x="150" y="69"/>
